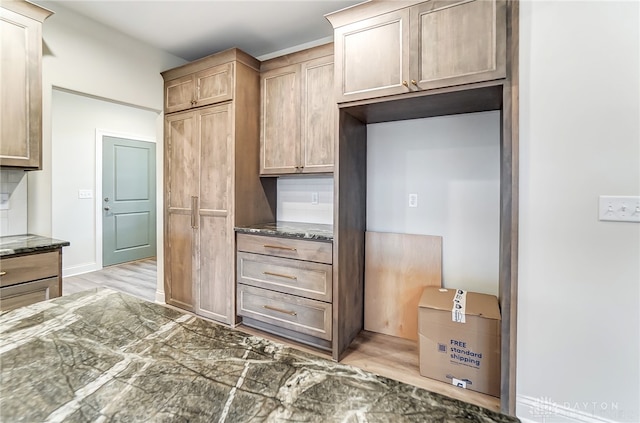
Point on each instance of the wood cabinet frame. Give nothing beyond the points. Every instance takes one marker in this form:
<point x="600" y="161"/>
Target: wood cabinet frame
<point x="350" y="186"/>
<point x="232" y="163"/>
<point x="38" y="272"/>
<point x="387" y="48"/>
<point x="296" y="124"/>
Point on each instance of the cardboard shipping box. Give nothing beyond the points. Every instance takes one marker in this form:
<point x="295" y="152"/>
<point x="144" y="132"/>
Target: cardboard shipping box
<point x="459" y="338"/>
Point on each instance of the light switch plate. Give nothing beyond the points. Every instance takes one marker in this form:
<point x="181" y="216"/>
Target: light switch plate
<point x="413" y="200"/>
<point x="619" y="208"/>
<point x="85" y="193"/>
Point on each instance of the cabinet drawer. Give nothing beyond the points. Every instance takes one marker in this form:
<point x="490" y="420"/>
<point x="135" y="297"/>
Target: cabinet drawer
<point x="288" y="311"/>
<point x="15" y="270"/>
<point x="319" y="252"/>
<point x="28" y="293"/>
<point x="302" y="278"/>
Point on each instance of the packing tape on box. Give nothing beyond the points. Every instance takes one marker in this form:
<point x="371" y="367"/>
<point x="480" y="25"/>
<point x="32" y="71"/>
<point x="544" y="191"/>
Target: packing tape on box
<point x="459" y="305"/>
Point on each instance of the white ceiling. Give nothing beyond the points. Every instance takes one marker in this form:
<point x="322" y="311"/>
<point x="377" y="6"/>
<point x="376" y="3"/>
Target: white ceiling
<point x="194" y="29"/>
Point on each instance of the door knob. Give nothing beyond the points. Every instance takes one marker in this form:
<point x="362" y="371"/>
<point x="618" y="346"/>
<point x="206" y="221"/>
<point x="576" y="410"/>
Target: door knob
<point x="106" y="199"/>
<point x="107" y="208"/>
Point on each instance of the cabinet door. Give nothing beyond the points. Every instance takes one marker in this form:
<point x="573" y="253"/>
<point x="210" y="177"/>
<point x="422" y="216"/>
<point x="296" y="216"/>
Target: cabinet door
<point x="319" y="114"/>
<point x="214" y="85"/>
<point x="215" y="283"/>
<point x="181" y="190"/>
<point x="372" y="57"/>
<point x="179" y="94"/>
<point x="280" y="121"/>
<point x="20" y="91"/>
<point x="457" y="42"/>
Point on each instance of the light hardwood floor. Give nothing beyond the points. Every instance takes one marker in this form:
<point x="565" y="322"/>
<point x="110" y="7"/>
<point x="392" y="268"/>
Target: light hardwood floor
<point x="388" y="356"/>
<point x="137" y="278"/>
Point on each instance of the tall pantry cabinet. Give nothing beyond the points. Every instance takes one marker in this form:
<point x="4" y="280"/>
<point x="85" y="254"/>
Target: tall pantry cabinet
<point x="211" y="153"/>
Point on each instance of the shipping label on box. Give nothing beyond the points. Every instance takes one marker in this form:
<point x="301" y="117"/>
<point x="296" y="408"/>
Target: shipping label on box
<point x="459" y="339"/>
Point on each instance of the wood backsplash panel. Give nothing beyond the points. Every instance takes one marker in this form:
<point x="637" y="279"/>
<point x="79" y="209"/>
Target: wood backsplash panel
<point x="397" y="268"/>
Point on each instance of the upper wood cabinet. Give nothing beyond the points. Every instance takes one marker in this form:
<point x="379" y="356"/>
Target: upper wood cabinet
<point x="433" y="44"/>
<point x="21" y="89"/>
<point x="202" y="88"/>
<point x="298" y="113"/>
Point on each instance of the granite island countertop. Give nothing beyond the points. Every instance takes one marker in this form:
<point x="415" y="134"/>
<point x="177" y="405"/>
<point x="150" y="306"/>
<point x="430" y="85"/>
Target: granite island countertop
<point x="297" y="230"/>
<point x="101" y="355"/>
<point x="28" y="243"/>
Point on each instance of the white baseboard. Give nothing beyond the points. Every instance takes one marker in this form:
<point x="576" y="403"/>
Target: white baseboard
<point x="160" y="297"/>
<point x="80" y="269"/>
<point x="545" y="410"/>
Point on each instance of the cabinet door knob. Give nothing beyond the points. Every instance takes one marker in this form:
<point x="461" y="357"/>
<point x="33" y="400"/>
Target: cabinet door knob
<point x="413" y="81"/>
<point x="405" y="84"/>
<point x="107" y="208"/>
<point x="3" y="273"/>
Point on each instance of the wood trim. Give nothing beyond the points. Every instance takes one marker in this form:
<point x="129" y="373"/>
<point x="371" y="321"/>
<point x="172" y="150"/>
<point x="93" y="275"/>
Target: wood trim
<point x="508" y="279"/>
<point x="297" y="57"/>
<point x="419" y="94"/>
<point x="230" y="55"/>
<point x="468" y="99"/>
<point x="255" y="199"/>
<point x="59" y="250"/>
<point x="281" y="335"/>
<point x="348" y="228"/>
<point x="367" y="10"/>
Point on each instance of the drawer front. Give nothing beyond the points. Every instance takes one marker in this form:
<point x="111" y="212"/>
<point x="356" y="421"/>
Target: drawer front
<point x="301" y="278"/>
<point x="28" y="293"/>
<point x="319" y="252"/>
<point x="15" y="270"/>
<point x="288" y="311"/>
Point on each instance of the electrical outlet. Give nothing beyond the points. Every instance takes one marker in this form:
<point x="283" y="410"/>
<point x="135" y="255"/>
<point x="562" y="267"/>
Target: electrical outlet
<point x="85" y="194"/>
<point x="413" y="200"/>
<point x="314" y="198"/>
<point x="619" y="208"/>
<point x="4" y="202"/>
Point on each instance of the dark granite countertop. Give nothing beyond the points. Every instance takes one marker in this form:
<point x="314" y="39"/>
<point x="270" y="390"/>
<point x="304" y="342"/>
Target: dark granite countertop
<point x="101" y="355"/>
<point x="312" y="231"/>
<point x="29" y="243"/>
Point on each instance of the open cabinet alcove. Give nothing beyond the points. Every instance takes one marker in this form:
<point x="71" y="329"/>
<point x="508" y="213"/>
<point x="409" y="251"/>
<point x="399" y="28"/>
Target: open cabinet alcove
<point x="350" y="187"/>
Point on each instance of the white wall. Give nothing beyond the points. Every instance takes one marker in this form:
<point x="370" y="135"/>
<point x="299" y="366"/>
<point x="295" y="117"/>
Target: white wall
<point x="13" y="202"/>
<point x="453" y="164"/>
<point x="579" y="278"/>
<point x="74" y="123"/>
<point x="295" y="199"/>
<point x="87" y="57"/>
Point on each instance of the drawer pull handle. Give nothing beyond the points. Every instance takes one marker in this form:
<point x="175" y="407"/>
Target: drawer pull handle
<point x="280" y="275"/>
<point x="290" y="313"/>
<point x="279" y="247"/>
<point x="3" y="273"/>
